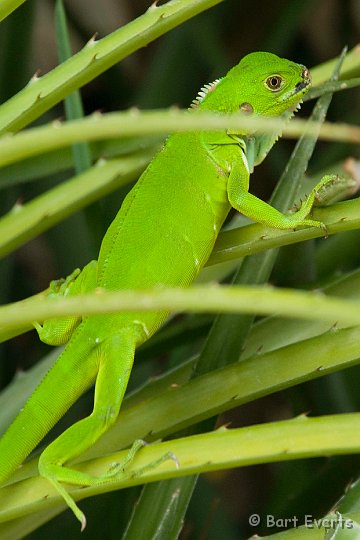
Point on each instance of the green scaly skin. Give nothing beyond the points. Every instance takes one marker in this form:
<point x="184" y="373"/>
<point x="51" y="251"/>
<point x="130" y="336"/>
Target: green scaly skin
<point x="163" y="234"/>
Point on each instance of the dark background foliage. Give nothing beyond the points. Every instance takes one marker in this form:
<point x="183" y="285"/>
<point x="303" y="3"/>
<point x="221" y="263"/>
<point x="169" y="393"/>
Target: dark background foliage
<point x="169" y="72"/>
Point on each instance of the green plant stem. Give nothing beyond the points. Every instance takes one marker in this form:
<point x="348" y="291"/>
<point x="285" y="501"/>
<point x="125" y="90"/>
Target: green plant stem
<point x="331" y="86"/>
<point x="82" y="158"/>
<point x="73" y="103"/>
<point x="207" y="299"/>
<point x="8" y="6"/>
<point x="60" y="160"/>
<point x="242" y="241"/>
<point x="42" y="139"/>
<point x="175" y="403"/>
<point x="301" y="437"/>
<point x="268" y="335"/>
<point x="97" y="56"/>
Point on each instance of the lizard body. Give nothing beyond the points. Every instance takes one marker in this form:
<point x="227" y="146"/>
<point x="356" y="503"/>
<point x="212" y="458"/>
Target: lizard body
<point x="162" y="236"/>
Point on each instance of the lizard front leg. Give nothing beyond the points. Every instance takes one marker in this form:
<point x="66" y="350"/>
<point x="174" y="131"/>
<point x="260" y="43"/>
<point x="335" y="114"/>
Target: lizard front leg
<point x="262" y="212"/>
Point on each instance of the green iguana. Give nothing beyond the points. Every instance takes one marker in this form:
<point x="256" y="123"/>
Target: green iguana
<point x="163" y="234"/>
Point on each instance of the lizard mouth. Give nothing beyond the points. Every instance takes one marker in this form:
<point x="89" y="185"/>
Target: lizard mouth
<point x="300" y="86"/>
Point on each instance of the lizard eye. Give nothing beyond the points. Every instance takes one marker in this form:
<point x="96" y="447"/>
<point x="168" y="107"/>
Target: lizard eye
<point x="274" y="83"/>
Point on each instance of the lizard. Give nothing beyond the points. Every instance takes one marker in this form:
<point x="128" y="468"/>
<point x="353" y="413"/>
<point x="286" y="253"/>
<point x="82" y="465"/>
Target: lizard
<point x="162" y="235"/>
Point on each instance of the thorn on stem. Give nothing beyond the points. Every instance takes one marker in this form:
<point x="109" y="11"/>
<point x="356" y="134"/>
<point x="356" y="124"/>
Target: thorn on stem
<point x="92" y="40"/>
<point x="154" y="5"/>
<point x="35" y="77"/>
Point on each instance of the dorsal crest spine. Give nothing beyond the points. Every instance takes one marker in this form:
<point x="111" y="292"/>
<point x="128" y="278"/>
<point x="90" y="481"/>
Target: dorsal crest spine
<point x="206" y="89"/>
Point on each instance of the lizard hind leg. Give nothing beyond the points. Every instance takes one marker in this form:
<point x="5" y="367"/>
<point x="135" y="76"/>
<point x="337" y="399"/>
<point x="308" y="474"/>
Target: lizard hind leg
<point x="115" y="357"/>
<point x="59" y="331"/>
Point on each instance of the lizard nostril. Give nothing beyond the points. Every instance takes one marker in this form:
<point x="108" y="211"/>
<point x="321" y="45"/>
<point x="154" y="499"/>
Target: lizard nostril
<point x="305" y="73"/>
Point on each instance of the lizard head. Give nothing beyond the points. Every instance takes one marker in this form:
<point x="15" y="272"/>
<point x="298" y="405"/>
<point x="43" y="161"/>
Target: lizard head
<point x="261" y="84"/>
